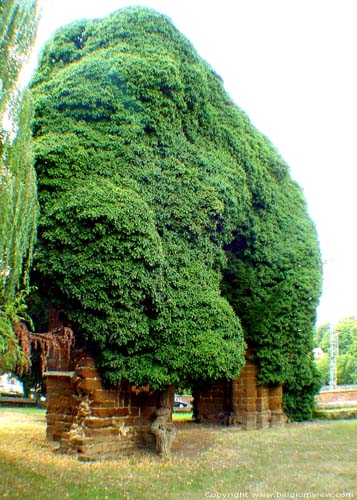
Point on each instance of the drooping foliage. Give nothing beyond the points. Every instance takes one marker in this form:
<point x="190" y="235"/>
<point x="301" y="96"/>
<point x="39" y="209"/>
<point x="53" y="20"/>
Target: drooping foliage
<point x="166" y="217"/>
<point x="18" y="24"/>
<point x="18" y="189"/>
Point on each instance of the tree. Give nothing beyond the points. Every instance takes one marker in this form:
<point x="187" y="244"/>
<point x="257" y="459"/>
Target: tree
<point x="323" y="367"/>
<point x="166" y="217"/>
<point x="18" y="189"/>
<point x="347" y="335"/>
<point x="347" y="360"/>
<point x="18" y="24"/>
<point x="322" y="336"/>
<point x="347" y="350"/>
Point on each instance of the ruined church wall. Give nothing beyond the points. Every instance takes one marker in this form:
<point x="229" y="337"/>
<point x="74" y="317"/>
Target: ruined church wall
<point x="241" y="402"/>
<point x="86" y="418"/>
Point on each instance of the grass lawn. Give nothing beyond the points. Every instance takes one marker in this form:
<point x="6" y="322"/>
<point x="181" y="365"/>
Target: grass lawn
<point x="207" y="462"/>
<point x="22" y="410"/>
<point x="183" y="416"/>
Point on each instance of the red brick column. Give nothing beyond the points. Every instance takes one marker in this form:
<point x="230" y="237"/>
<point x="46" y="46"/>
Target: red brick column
<point x="248" y="404"/>
<point x="244" y="397"/>
<point x="278" y="417"/>
<point x="61" y="404"/>
<point x="263" y="407"/>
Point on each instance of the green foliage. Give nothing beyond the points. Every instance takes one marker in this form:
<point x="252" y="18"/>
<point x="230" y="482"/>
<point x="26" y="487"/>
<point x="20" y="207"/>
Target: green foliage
<point x="347" y="367"/>
<point x="166" y="217"/>
<point x="18" y="23"/>
<point x="18" y="190"/>
<point x="300" y="388"/>
<point x="11" y="355"/>
<point x="347" y="336"/>
<point x="323" y="367"/>
<point x="273" y="281"/>
<point x="18" y="207"/>
<point x="347" y="350"/>
<point x="322" y="337"/>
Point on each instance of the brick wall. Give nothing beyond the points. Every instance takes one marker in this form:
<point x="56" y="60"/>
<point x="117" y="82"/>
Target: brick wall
<point x="86" y="418"/>
<point x="339" y="396"/>
<point x="241" y="402"/>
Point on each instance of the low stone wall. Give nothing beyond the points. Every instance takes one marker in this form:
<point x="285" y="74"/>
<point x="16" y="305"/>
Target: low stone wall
<point x="337" y="397"/>
<point x="241" y="402"/>
<point x="86" y="418"/>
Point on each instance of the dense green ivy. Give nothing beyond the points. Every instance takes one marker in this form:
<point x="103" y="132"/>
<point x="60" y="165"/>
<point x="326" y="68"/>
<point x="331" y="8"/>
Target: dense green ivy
<point x="167" y="219"/>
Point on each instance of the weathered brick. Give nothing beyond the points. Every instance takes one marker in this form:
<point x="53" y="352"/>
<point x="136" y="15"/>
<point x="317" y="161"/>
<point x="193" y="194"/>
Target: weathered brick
<point x="90" y="385"/>
<point x="98" y="422"/>
<point x="275" y="397"/>
<point x="109" y="397"/>
<point x="87" y="372"/>
<point x="109" y="412"/>
<point x="85" y="361"/>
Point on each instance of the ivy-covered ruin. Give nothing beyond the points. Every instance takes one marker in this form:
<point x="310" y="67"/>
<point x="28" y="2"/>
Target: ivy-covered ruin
<point x="172" y="237"/>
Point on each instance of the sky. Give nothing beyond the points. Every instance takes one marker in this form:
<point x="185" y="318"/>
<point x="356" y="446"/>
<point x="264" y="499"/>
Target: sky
<point x="290" y="65"/>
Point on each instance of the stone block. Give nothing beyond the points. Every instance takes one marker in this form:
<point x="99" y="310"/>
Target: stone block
<point x="90" y="385"/>
<point x="263" y="419"/>
<point x="263" y="391"/>
<point x="107" y="433"/>
<point x="109" y="412"/>
<point x="262" y="404"/>
<point x="249" y="368"/>
<point x="87" y="372"/>
<point x="249" y="421"/>
<point x="278" y="418"/>
<point x="249" y="404"/>
<point x="262" y="398"/>
<point x="98" y="422"/>
<point x="95" y="450"/>
<point x="134" y="411"/>
<point x="108" y="397"/>
<point x="250" y="391"/>
<point x="275" y="397"/>
<point x="85" y="361"/>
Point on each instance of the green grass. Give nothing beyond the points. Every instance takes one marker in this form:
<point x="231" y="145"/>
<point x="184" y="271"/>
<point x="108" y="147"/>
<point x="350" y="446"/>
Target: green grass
<point x="182" y="416"/>
<point x="24" y="410"/>
<point x="313" y="458"/>
<point x="336" y="413"/>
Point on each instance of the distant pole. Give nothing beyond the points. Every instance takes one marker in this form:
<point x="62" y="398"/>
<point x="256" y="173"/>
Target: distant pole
<point x="333" y="358"/>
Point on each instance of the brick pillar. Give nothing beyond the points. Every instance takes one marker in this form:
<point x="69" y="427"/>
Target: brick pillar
<point x="244" y="397"/>
<point x="60" y="404"/>
<point x="278" y="418"/>
<point x="263" y="407"/>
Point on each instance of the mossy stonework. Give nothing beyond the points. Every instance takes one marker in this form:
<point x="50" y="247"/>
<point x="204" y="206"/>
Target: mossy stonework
<point x="171" y="234"/>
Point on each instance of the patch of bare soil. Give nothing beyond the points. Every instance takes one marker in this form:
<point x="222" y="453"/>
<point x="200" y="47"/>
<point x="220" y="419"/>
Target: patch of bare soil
<point x="193" y="438"/>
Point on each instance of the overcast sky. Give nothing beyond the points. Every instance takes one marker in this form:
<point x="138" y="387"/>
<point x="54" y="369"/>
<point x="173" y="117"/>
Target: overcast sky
<point x="290" y="65"/>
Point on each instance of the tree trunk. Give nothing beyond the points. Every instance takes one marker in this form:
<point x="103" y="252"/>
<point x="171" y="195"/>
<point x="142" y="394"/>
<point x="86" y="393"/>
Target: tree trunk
<point x="163" y="431"/>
